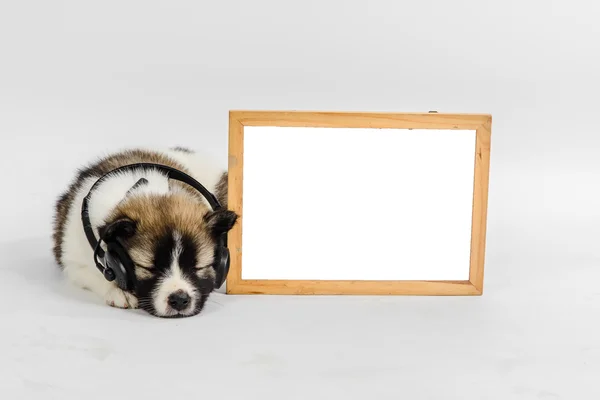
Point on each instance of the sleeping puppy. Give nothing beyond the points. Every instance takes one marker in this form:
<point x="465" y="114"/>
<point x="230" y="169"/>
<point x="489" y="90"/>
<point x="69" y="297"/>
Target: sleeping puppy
<point x="167" y="227"/>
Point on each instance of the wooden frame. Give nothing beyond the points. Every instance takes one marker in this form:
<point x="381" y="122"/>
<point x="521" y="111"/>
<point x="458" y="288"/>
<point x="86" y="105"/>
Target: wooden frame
<point x="481" y="123"/>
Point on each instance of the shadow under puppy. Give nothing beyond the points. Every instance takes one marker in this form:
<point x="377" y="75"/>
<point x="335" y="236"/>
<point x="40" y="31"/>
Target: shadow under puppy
<point x="167" y="227"/>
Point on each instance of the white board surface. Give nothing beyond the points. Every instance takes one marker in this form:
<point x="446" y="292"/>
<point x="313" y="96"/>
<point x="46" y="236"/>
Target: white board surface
<point x="357" y="204"/>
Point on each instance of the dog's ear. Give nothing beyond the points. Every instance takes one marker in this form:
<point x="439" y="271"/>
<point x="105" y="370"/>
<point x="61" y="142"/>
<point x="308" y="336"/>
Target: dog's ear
<point x="122" y="228"/>
<point x="220" y="221"/>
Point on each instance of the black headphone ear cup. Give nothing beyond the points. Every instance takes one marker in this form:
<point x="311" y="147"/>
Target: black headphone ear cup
<point x="119" y="262"/>
<point x="222" y="265"/>
<point x="108" y="273"/>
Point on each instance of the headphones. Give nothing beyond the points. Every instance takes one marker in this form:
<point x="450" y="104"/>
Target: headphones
<point x="118" y="265"/>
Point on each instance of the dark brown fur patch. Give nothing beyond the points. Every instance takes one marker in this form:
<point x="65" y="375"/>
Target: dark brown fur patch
<point x="157" y="215"/>
<point x="60" y="219"/>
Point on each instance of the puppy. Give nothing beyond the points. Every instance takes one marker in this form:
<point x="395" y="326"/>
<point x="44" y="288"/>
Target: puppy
<point x="167" y="227"/>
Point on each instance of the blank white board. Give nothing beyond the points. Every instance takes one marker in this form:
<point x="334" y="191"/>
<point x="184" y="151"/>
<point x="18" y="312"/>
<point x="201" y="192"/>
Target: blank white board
<point x="357" y="203"/>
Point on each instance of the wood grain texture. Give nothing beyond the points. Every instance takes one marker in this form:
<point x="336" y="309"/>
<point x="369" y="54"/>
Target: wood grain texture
<point x="235" y="200"/>
<point x="360" y="120"/>
<point x="481" y="123"/>
<point x="323" y="287"/>
<point x="480" y="202"/>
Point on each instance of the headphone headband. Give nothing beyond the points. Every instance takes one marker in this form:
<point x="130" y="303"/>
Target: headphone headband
<point x="172" y="173"/>
<point x="119" y="271"/>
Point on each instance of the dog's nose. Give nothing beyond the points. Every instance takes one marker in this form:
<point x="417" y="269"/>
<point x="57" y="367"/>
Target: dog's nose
<point x="179" y="300"/>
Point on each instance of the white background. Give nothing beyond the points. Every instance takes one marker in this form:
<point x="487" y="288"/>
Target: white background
<point x="79" y="77"/>
<point x="357" y="204"/>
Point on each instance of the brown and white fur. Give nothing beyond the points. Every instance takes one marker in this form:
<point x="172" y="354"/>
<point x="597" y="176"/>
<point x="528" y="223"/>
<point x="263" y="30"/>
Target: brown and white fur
<point x="168" y="229"/>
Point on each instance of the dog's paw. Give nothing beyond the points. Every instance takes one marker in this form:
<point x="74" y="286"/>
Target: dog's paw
<point x="120" y="299"/>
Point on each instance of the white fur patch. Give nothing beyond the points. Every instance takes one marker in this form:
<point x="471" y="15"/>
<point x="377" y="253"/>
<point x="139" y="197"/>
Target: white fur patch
<point x="109" y="193"/>
<point x="200" y="167"/>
